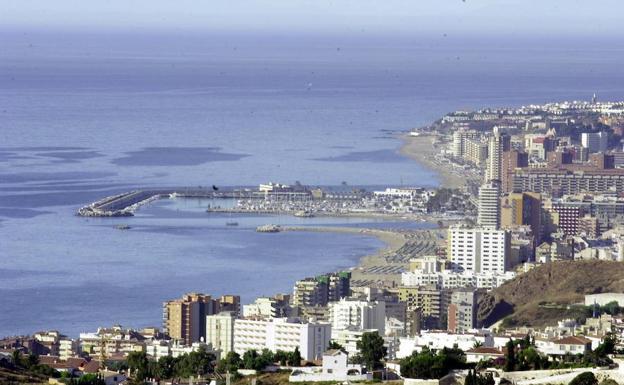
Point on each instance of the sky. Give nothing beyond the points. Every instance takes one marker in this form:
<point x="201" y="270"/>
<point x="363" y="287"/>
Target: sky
<point x="541" y="18"/>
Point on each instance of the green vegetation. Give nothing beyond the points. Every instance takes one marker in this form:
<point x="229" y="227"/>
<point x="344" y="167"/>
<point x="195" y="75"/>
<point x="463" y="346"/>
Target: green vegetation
<point x="371" y="350"/>
<point x="474" y="378"/>
<point x="446" y="199"/>
<point x="197" y="363"/>
<point x="585" y="378"/>
<point x="29" y="365"/>
<point x="429" y="364"/>
<point x="85" y="379"/>
<point x="335" y="345"/>
<point x="521" y="355"/>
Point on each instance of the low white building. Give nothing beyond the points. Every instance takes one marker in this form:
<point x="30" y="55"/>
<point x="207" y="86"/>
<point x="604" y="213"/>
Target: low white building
<point x="483" y="353"/>
<point x="165" y="348"/>
<point x="312" y="339"/>
<point x="563" y="346"/>
<point x="335" y="367"/>
<point x="436" y="340"/>
<point x="602" y="299"/>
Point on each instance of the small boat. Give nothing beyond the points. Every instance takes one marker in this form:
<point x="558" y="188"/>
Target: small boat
<point x="304" y="214"/>
<point x="123" y="227"/>
<point x="231" y="223"/>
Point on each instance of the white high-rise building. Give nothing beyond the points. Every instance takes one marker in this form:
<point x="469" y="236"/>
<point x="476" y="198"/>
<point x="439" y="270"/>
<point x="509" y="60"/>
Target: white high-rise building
<point x="283" y="334"/>
<point x="498" y="143"/>
<point x="595" y="141"/>
<point x="220" y="332"/>
<point x="481" y="250"/>
<point x="358" y="315"/>
<point x="489" y="205"/>
<point x="459" y="141"/>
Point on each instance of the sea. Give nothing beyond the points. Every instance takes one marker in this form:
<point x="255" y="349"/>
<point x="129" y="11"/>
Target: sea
<point x="84" y="115"/>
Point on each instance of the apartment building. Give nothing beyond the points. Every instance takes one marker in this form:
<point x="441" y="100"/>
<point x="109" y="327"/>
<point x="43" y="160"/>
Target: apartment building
<point x="312" y="339"/>
<point x="481" y="250"/>
<point x="184" y="319"/>
<point x="358" y="315"/>
<point x="220" y="332"/>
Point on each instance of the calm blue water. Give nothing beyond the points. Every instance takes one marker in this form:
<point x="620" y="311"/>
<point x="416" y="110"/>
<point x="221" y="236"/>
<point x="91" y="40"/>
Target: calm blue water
<point x="86" y="116"/>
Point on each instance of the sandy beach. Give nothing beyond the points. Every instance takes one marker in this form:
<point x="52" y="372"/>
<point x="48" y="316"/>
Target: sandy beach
<point x="383" y="266"/>
<point x="423" y="151"/>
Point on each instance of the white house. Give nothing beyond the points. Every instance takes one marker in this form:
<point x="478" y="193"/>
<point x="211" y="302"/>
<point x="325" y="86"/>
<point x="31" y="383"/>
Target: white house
<point x="483" y="353"/>
<point x="335" y="367"/>
<point x="440" y="339"/>
<point x="566" y="345"/>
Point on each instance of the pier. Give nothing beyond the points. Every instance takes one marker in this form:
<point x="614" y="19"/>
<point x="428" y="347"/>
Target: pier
<point x="124" y="204"/>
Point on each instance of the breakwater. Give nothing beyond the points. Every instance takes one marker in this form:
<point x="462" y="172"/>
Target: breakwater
<point x="125" y="204"/>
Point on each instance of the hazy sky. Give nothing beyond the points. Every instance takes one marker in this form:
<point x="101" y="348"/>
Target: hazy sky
<point x="503" y="17"/>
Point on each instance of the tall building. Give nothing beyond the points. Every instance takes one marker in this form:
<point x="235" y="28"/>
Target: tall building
<point x="462" y="310"/>
<point x="229" y="303"/>
<point x="320" y="290"/>
<point x="489" y="206"/>
<point x="358" y="315"/>
<point x="430" y="303"/>
<point x="512" y="159"/>
<point x="185" y="319"/>
<point x="339" y="286"/>
<point x="220" y="332"/>
<point x="595" y="141"/>
<point x="481" y="250"/>
<point x="459" y="141"/>
<point x="519" y="209"/>
<point x="312" y="339"/>
<point x="475" y="151"/>
<point x="498" y="143"/>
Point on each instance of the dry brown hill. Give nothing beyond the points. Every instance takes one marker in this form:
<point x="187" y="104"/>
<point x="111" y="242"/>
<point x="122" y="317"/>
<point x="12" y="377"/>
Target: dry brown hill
<point x="542" y="295"/>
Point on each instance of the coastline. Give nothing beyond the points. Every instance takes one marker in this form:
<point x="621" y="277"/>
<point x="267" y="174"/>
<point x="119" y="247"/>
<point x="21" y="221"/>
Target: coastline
<point x="422" y="149"/>
<point x="369" y="267"/>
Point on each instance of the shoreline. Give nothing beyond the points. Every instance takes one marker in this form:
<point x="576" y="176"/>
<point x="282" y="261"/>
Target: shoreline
<point x="368" y="269"/>
<point x="422" y="150"/>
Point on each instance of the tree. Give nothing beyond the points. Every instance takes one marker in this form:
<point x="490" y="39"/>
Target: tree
<point x="196" y="363"/>
<point x="295" y="357"/>
<point x="249" y="359"/>
<point x="607" y="346"/>
<point x="88" y="379"/>
<point x="510" y="356"/>
<point x="230" y="364"/>
<point x="281" y="357"/>
<point x="335" y="345"/>
<point x="139" y="365"/>
<point x="372" y="349"/>
<point x="585" y="378"/>
<point x="427" y="364"/>
<point x="16" y="356"/>
<point x="165" y="368"/>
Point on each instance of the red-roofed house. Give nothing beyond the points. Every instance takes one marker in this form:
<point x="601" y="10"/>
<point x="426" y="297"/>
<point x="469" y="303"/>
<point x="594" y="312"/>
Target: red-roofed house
<point x="483" y="353"/>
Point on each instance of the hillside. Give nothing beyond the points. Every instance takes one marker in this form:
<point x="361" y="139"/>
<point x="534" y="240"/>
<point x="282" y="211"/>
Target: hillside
<point x="541" y="296"/>
<point x="18" y="377"/>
